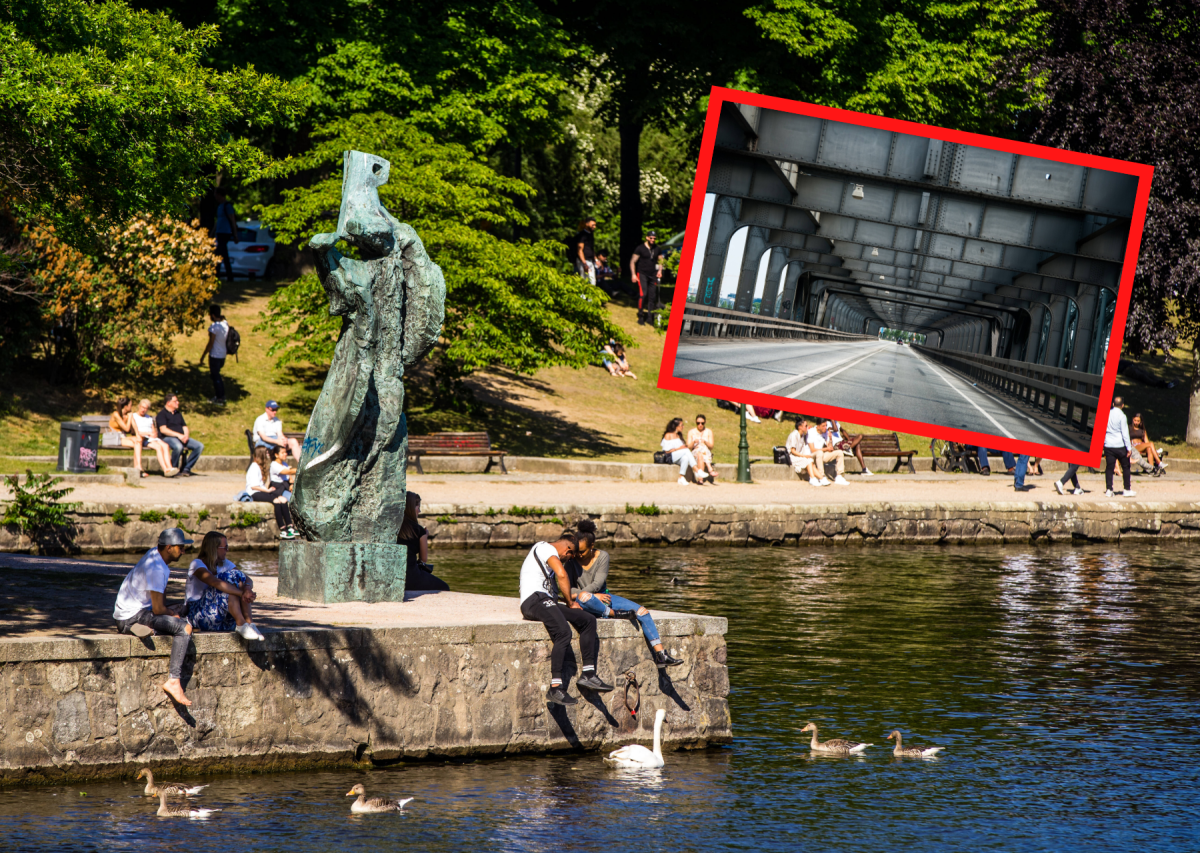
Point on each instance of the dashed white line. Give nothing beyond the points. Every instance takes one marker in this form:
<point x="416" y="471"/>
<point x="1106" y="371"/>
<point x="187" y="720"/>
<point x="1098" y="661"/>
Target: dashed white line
<point x="942" y="376"/>
<point x="800" y="377"/>
<point x="835" y="373"/>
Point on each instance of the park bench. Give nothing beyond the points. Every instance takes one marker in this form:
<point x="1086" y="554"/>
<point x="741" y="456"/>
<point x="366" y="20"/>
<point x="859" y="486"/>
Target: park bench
<point x="453" y="444"/>
<point x="299" y="436"/>
<point x="886" y="445"/>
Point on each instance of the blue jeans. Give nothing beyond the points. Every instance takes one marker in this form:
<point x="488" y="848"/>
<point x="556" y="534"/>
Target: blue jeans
<point x="1022" y="466"/>
<point x="193" y="447"/>
<point x="597" y="607"/>
<point x="1009" y="461"/>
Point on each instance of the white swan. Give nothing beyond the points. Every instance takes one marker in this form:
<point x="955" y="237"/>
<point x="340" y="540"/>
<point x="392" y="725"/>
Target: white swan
<point x="637" y="756"/>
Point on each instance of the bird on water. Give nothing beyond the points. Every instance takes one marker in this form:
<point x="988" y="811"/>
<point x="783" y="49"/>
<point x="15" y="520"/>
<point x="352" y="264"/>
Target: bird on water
<point x="175" y="789"/>
<point x="833" y="746"/>
<point x="637" y="756"/>
<point x="902" y="751"/>
<point x="373" y="805"/>
<point x="166" y="809"/>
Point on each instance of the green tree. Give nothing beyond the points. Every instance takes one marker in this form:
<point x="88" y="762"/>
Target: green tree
<point x="507" y="303"/>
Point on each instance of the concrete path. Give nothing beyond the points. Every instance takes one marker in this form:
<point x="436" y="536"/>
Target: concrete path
<point x="880" y="377"/>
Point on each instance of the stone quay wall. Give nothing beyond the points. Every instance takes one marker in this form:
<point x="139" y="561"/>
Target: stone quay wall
<point x="83" y="708"/>
<point x="1010" y="522"/>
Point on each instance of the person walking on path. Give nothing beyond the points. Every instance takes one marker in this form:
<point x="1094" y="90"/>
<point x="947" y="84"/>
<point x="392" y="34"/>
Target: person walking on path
<point x="174" y="431"/>
<point x="218" y="330"/>
<point x="543" y="577"/>
<point x="1019" y="472"/>
<point x="585" y="250"/>
<point x="1072" y="477"/>
<point x="142" y="610"/>
<point x="226" y="230"/>
<point x="645" y="267"/>
<point x="1117" y="448"/>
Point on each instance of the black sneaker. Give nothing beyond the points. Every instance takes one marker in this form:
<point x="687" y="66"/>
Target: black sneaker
<point x="665" y="659"/>
<point x="558" y="696"/>
<point x="631" y="615"/>
<point x="593" y="682"/>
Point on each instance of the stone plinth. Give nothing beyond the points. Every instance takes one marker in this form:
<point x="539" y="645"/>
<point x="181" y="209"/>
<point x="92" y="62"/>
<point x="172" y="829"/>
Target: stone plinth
<point x="332" y="572"/>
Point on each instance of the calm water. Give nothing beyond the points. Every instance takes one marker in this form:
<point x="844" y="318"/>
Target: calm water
<point x="1062" y="683"/>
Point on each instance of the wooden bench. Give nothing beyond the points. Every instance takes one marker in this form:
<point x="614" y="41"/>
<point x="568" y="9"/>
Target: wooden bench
<point x="453" y="444"/>
<point x="886" y="445"/>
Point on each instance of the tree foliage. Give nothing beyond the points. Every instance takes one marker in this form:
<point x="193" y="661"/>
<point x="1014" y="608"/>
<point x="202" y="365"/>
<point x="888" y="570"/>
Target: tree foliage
<point x="507" y="302"/>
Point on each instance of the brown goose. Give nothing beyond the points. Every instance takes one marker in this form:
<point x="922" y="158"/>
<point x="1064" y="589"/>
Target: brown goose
<point x="175" y="789"/>
<point x="902" y="751"/>
<point x="835" y="746"/>
<point x="373" y="805"/>
<point x="180" y="809"/>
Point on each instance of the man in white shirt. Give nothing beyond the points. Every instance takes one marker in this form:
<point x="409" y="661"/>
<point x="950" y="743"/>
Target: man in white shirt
<point x="141" y="609"/>
<point x="823" y="451"/>
<point x="542" y="579"/>
<point x="268" y="431"/>
<point x="1117" y="448"/>
<point x="801" y="455"/>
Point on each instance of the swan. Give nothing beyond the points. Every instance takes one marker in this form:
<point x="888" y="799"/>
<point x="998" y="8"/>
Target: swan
<point x="902" y="751"/>
<point x="175" y="789"/>
<point x="835" y="746"/>
<point x="181" y="810"/>
<point x="373" y="805"/>
<point x="637" y="756"/>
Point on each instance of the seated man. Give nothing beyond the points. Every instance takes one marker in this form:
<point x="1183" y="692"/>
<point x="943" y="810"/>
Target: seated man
<point x="1010" y="462"/>
<point x="850" y="444"/>
<point x="542" y="578"/>
<point x="269" y="433"/>
<point x="175" y="433"/>
<point x="801" y="455"/>
<point x="820" y="440"/>
<point x="141" y="609"/>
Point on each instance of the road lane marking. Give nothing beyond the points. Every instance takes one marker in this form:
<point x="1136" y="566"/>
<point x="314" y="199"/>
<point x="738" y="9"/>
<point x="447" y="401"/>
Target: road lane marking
<point x="969" y="400"/>
<point x="835" y="373"/>
<point x="800" y="377"/>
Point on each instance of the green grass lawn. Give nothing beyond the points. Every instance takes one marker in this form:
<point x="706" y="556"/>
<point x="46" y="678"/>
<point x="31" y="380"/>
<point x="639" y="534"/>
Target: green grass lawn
<point x="559" y="412"/>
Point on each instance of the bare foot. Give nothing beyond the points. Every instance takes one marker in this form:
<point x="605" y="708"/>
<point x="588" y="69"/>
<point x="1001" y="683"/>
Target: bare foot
<point x="174" y="689"/>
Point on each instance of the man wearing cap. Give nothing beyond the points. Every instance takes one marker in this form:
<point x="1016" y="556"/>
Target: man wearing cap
<point x="142" y="609"/>
<point x="645" y="267"/>
<point x="268" y="431"/>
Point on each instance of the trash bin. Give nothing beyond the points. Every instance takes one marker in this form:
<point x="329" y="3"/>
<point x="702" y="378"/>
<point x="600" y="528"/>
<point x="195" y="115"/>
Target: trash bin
<point x="78" y="444"/>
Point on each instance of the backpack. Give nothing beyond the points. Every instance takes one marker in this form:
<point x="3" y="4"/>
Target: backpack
<point x="232" y="342"/>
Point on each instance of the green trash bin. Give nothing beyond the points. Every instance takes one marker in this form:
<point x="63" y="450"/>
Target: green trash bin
<point x="78" y="447"/>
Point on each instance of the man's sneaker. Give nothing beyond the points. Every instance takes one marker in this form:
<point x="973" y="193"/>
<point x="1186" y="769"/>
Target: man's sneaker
<point x="1058" y="487"/>
<point x="1077" y="492"/>
<point x="1023" y="488"/>
<point x="140" y="631"/>
<point x="818" y="483"/>
<point x="1128" y="493"/>
<point x="665" y="659"/>
<point x="985" y="471"/>
<point x="1108" y="493"/>
<point x="558" y="696"/>
<point x="593" y="682"/>
<point x="841" y="481"/>
<point x="823" y="482"/>
<point x="631" y="615"/>
<point x="866" y="472"/>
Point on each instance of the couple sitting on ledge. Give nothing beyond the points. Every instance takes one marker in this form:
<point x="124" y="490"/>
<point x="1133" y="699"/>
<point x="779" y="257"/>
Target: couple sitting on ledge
<point x="574" y="567"/>
<point x="217" y="597"/>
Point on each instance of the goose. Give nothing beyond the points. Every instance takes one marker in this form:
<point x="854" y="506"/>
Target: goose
<point x="835" y="746"/>
<point x="902" y="751"/>
<point x="174" y="789"/>
<point x="180" y="810"/>
<point x="637" y="756"/>
<point x="363" y="805"/>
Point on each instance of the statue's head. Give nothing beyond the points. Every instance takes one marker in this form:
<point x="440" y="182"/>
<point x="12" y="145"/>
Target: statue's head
<point x="363" y="221"/>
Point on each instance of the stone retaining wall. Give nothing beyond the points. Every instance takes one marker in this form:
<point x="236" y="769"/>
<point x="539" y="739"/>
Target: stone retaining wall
<point x="1013" y="522"/>
<point x="85" y="708"/>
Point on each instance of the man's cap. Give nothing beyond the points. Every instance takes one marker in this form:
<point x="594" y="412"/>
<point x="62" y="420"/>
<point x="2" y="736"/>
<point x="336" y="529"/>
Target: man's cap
<point x="651" y="233"/>
<point x="173" y="536"/>
<point x="271" y="404"/>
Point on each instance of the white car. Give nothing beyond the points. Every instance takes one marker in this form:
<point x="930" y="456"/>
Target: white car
<point x="253" y="255"/>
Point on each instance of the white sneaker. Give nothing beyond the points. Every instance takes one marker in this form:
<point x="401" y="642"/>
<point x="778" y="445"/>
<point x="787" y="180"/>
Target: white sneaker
<point x="750" y="416"/>
<point x="841" y="481"/>
<point x="1077" y="492"/>
<point x="1128" y="493"/>
<point x="868" y="473"/>
<point x="1108" y="493"/>
<point x="682" y="481"/>
<point x="822" y="482"/>
<point x="258" y="635"/>
<point x="818" y="483"/>
<point x="1058" y="487"/>
<point x="247" y="632"/>
<point x="699" y="475"/>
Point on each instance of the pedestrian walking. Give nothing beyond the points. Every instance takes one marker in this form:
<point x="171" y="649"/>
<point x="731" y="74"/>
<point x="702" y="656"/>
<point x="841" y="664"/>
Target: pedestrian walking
<point x="645" y="266"/>
<point x="218" y="331"/>
<point x="584" y="246"/>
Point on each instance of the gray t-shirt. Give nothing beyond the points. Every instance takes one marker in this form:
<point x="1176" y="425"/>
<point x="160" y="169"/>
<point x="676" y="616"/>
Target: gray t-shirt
<point x="594" y="579"/>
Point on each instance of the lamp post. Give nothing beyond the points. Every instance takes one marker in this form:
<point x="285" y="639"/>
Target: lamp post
<point x="743" y="452"/>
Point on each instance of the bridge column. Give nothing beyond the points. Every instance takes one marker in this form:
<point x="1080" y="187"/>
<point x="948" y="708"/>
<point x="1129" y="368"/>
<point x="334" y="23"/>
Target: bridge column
<point x="721" y="229"/>
<point x="756" y="242"/>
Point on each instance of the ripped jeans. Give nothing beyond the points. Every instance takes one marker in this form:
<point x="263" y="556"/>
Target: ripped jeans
<point x="597" y="607"/>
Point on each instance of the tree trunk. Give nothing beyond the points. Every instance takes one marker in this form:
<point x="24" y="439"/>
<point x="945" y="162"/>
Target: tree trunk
<point x="1193" y="424"/>
<point x="630" y="123"/>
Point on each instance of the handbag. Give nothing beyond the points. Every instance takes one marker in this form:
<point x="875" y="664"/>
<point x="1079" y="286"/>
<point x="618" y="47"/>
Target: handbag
<point x="110" y="438"/>
<point x="781" y="455"/>
<point x="662" y="457"/>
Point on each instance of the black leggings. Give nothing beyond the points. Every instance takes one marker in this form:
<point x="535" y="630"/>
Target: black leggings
<point x="418" y="579"/>
<point x="1112" y="455"/>
<point x="558" y="618"/>
<point x="214" y="371"/>
<point x="283" y="512"/>
<point x="1072" y="475"/>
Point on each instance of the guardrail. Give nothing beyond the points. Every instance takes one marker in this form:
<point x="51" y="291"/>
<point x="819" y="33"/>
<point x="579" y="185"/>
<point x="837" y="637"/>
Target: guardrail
<point x="1051" y="389"/>
<point x="705" y="321"/>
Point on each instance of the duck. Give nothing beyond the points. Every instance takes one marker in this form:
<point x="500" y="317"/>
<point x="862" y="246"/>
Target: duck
<point x="174" y="789"/>
<point x="373" y="805"/>
<point x="181" y="809"/>
<point x="835" y="746"/>
<point x="636" y="756"/>
<point x="902" y="751"/>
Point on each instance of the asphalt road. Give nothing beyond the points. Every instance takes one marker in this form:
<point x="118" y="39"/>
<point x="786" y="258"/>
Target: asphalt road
<point x="880" y="377"/>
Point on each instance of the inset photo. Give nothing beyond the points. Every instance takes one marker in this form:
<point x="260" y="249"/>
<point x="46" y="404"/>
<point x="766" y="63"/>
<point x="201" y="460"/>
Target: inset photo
<point x="909" y="277"/>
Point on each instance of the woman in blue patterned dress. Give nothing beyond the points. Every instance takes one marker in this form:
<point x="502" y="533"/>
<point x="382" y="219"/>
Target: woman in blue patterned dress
<point x="218" y="594"/>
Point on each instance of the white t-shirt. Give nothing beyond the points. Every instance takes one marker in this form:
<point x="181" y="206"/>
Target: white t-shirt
<point x="144" y="425"/>
<point x="253" y="476"/>
<point x="276" y="469"/>
<point x="219" y="331"/>
<point x="195" y="586"/>
<point x="670" y="445"/>
<point x="533" y="579"/>
<point x="815" y="439"/>
<point x="149" y="575"/>
<point x="797" y="442"/>
<point x="267" y="426"/>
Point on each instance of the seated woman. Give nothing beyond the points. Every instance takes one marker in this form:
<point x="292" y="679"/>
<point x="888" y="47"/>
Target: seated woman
<point x="700" y="442"/>
<point x="258" y="475"/>
<point x="801" y="455"/>
<point x="218" y="594"/>
<point x="1143" y="445"/>
<point x="145" y="433"/>
<point x="609" y="357"/>
<point x="589" y="586"/>
<point x="673" y="443"/>
<point x="418" y="575"/>
<point x="281" y="472"/>
<point x="622" y="364"/>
